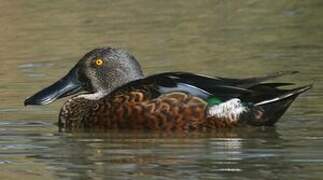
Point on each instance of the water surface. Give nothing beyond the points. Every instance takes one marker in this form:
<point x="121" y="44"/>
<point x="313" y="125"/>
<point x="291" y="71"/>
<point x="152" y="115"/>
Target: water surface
<point x="41" y="40"/>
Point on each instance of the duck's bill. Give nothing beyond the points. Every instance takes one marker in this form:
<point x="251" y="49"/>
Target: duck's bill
<point x="66" y="86"/>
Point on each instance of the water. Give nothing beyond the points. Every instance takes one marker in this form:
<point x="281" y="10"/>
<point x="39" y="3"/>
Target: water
<point x="41" y="40"/>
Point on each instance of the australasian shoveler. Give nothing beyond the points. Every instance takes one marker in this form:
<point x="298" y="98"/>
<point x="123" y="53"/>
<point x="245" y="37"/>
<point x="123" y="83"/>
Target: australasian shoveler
<point x="118" y="96"/>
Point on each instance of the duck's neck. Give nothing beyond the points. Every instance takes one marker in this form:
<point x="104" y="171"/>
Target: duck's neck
<point x="107" y="88"/>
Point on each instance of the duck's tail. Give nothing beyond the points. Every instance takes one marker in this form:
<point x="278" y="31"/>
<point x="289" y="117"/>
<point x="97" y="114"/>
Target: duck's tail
<point x="291" y="94"/>
<point x="272" y="109"/>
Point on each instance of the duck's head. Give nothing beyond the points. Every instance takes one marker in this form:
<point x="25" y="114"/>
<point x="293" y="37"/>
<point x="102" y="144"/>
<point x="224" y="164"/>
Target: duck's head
<point x="98" y="72"/>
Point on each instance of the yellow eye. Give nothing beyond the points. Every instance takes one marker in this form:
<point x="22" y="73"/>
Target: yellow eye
<point x="99" y="62"/>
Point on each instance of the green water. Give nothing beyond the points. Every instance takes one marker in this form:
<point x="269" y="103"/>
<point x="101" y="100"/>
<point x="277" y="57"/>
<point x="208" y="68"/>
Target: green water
<point x="41" y="40"/>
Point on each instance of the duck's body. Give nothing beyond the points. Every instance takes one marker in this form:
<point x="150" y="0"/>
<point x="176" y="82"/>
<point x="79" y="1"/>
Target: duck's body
<point x="167" y="101"/>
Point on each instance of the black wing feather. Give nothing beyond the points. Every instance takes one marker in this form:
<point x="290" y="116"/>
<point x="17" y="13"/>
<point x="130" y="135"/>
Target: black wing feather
<point x="248" y="89"/>
<point x="197" y="85"/>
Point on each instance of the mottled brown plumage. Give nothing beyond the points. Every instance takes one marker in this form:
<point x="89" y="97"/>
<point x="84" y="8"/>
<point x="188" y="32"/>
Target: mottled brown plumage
<point x="135" y="109"/>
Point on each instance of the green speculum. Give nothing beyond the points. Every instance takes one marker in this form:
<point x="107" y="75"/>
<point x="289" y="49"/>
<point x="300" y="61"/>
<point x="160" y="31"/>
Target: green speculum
<point x="213" y="101"/>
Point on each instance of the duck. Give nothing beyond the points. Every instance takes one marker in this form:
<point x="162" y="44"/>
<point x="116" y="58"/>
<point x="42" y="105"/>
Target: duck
<point x="107" y="89"/>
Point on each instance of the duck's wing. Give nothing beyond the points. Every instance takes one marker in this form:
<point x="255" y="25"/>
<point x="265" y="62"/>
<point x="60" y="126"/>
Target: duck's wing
<point x="207" y="82"/>
<point x="195" y="85"/>
<point x="205" y="87"/>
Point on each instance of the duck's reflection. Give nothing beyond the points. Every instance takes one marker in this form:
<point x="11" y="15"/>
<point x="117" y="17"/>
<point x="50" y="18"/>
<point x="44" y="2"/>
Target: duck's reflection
<point x="156" y="154"/>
